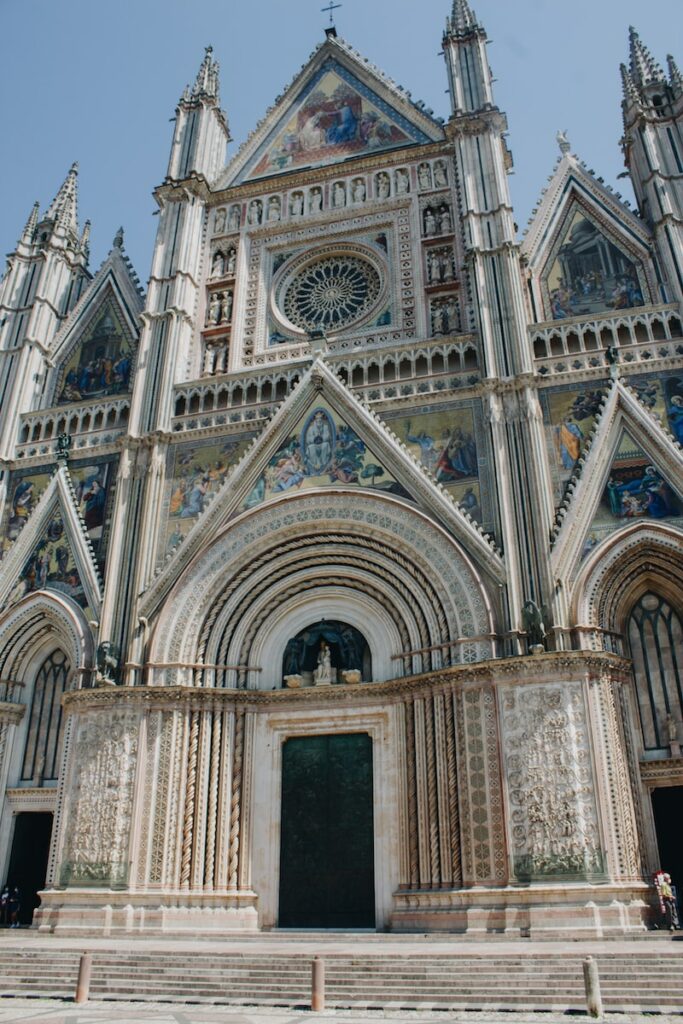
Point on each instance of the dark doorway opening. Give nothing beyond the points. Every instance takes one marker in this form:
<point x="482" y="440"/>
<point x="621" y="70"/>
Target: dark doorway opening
<point x="667" y="804"/>
<point x="327" y="875"/>
<point x="28" y="859"/>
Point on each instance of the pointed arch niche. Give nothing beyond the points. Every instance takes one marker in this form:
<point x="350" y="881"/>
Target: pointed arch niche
<point x="630" y="601"/>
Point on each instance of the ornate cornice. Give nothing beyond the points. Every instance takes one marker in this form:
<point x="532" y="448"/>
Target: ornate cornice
<point x="663" y="772"/>
<point x="525" y="670"/>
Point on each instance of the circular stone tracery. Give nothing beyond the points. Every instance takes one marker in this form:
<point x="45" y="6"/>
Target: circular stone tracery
<point x="331" y="293"/>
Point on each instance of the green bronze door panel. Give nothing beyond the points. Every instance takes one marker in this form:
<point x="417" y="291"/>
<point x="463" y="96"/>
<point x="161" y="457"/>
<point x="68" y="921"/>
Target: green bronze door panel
<point x="327" y="877"/>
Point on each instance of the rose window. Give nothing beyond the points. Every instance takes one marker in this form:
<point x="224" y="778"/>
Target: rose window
<point x="331" y="293"/>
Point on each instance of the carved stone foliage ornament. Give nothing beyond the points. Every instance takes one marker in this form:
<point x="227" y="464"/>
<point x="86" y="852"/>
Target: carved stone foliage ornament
<point x="101" y="800"/>
<point x="553" y="816"/>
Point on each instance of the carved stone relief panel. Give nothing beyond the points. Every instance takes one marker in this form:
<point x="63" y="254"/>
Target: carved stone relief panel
<point x="100" y="802"/>
<point x="549" y="776"/>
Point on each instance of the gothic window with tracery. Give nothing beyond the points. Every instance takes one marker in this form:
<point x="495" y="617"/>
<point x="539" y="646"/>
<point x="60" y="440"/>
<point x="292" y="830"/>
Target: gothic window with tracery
<point x="45" y="734"/>
<point x="655" y="637"/>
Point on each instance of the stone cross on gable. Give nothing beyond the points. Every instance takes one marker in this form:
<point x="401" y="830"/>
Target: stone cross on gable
<point x="330" y="8"/>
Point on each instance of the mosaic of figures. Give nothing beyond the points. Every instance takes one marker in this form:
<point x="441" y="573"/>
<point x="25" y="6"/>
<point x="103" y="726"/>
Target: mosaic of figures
<point x="194" y="473"/>
<point x="323" y="451"/>
<point x="570" y="417"/>
<point x="591" y="275"/>
<point x="337" y="117"/>
<point x="445" y="443"/>
<point x="101" y="363"/>
<point x="635" y="490"/>
<point x="92" y="486"/>
<point x="51" y="566"/>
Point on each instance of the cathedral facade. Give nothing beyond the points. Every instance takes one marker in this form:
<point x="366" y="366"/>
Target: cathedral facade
<point x="341" y="572"/>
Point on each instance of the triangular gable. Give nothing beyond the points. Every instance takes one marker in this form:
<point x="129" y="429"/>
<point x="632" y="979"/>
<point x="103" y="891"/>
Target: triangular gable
<point x="337" y="108"/>
<point x="632" y="470"/>
<point x="94" y="352"/>
<point x="323" y="436"/>
<point x="52" y="551"/>
<point x="582" y="244"/>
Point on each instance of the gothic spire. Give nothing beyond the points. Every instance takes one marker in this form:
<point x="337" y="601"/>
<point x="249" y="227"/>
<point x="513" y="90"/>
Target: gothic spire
<point x="64" y="207"/>
<point x="462" y="19"/>
<point x="206" y="84"/>
<point x="644" y="68"/>
<point x="84" y="242"/>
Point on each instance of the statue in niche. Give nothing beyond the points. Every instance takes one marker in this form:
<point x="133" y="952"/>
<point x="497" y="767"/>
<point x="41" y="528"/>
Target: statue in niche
<point x="383" y="185"/>
<point x="234" y="219"/>
<point x="339" y="195"/>
<point x="440" y="176"/>
<point x="429" y="221"/>
<point x="402" y="182"/>
<point x="347" y="652"/>
<point x="227" y="308"/>
<point x="445" y="222"/>
<point x="424" y="176"/>
<point x="315" y="200"/>
<point x="359" y="191"/>
<point x="296" y="207"/>
<point x="218" y="264"/>
<point x="232" y="263"/>
<point x="214" y="313"/>
<point x="324" y="674"/>
<point x="274" y="208"/>
<point x="219" y="222"/>
<point x="255" y="211"/>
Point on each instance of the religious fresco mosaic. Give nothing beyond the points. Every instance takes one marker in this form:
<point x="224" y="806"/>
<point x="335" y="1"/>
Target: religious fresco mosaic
<point x="334" y="118"/>
<point x="101" y="363"/>
<point x="321" y="452"/>
<point x="569" y="416"/>
<point x="590" y="274"/>
<point x="194" y="473"/>
<point x="635" y="491"/>
<point x="93" y="488"/>
<point x="445" y="443"/>
<point x="51" y="566"/>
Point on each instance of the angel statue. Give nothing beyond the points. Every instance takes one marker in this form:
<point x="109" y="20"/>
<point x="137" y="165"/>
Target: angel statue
<point x="533" y="625"/>
<point x="107" y="663"/>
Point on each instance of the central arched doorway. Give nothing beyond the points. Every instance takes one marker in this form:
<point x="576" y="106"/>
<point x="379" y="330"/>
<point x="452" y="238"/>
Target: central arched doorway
<point x="327" y="875"/>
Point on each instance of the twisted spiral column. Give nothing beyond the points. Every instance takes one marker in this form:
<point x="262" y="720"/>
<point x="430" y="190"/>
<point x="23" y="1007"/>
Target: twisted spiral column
<point x="432" y="802"/>
<point x="190" y="794"/>
<point x="235" y="801"/>
<point x="412" y="794"/>
<point x="454" y="821"/>
<point x="211" y="814"/>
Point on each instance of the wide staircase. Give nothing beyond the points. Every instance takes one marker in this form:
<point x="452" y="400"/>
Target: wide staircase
<point x="648" y="980"/>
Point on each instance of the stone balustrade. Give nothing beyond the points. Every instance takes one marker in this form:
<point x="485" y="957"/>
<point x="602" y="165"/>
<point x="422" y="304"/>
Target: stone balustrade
<point x="90" y="425"/>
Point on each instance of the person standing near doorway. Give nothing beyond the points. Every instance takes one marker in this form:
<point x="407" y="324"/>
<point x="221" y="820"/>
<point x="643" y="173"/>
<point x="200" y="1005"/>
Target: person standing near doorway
<point x="14" y="906"/>
<point x="667" y="900"/>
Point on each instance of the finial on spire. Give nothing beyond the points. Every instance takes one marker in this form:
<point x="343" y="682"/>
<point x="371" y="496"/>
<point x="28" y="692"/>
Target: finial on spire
<point x="84" y="243"/>
<point x="206" y="83"/>
<point x="643" y="67"/>
<point x="563" y="142"/>
<point x="31" y="223"/>
<point x="628" y="86"/>
<point x="118" y="239"/>
<point x="462" y="19"/>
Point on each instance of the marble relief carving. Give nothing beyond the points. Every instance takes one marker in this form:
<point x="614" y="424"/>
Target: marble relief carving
<point x="553" y="815"/>
<point x="101" y="800"/>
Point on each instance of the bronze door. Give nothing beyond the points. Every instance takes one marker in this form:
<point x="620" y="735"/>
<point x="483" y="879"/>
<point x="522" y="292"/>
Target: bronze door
<point x="327" y="877"/>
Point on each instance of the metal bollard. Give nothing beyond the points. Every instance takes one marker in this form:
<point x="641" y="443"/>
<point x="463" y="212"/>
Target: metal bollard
<point x="591" y="980"/>
<point x="318" y="985"/>
<point x="83" y="983"/>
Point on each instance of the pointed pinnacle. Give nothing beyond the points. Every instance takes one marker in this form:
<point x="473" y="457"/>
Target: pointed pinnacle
<point x="206" y="83"/>
<point x="462" y="19"/>
<point x="85" y="237"/>
<point x="644" y="68"/>
<point x="675" y="76"/>
<point x="628" y="86"/>
<point x="30" y="226"/>
<point x="63" y="207"/>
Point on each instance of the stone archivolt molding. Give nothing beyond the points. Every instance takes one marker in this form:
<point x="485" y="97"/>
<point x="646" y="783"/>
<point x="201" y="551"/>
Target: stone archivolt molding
<point x="392" y="525"/>
<point x="641" y="556"/>
<point x="27" y="626"/>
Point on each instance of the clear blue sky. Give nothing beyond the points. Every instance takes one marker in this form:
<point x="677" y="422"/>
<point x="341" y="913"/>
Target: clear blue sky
<point x="97" y="82"/>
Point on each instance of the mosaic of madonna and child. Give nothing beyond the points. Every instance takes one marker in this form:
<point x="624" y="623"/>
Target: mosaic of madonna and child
<point x="324" y="451"/>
